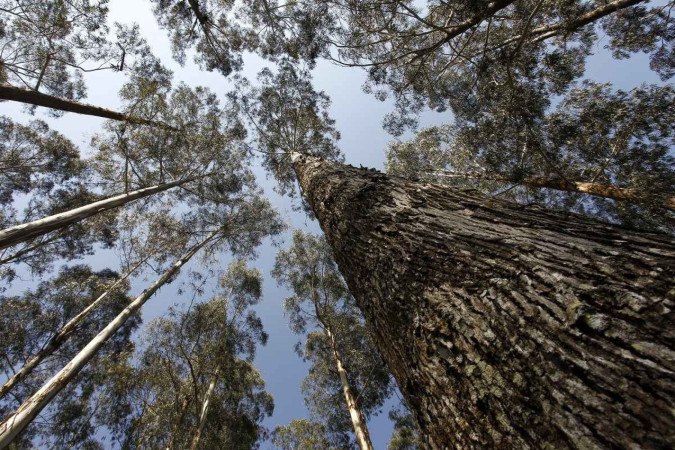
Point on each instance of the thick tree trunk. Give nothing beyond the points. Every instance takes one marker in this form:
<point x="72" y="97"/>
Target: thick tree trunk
<point x="26" y="231"/>
<point x="16" y="94"/>
<point x="61" y="336"/>
<point x="202" y="415"/>
<point x="506" y="327"/>
<point x="25" y="414"/>
<point x="585" y="187"/>
<point x="358" y="421"/>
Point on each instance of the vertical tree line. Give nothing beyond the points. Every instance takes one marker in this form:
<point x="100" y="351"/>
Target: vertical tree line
<point x="510" y="272"/>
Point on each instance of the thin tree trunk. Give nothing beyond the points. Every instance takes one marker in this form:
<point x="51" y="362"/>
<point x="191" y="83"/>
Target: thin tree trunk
<point x="17" y="94"/>
<point x="61" y="336"/>
<point x="358" y="421"/>
<point x="177" y="422"/>
<point x="204" y="411"/>
<point x="506" y="327"/>
<point x="20" y="233"/>
<point x="590" y="188"/>
<point x="25" y="414"/>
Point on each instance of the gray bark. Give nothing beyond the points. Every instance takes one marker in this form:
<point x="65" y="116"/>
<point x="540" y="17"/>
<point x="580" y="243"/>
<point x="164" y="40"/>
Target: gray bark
<point x="505" y="326"/>
<point x="16" y="94"/>
<point x="26" y="231"/>
<point x="60" y="337"/>
<point x="25" y="414"/>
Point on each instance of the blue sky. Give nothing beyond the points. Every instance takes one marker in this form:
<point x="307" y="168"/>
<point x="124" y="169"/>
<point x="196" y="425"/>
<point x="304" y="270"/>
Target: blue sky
<point x="359" y="118"/>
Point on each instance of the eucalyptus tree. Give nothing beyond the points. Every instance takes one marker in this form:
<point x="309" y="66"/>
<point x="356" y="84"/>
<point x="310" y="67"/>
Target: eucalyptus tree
<point x="609" y="144"/>
<point x="285" y="115"/>
<point x="406" y="435"/>
<point x="34" y="98"/>
<point x="33" y="321"/>
<point x="238" y="225"/>
<point x="301" y="434"/>
<point x="228" y="214"/>
<point x="465" y="55"/>
<point x="195" y="385"/>
<point x="64" y="332"/>
<point x="42" y="174"/>
<point x="152" y="160"/>
<point x="347" y="382"/>
<point x="46" y="46"/>
<point x="504" y="325"/>
<point x="208" y="27"/>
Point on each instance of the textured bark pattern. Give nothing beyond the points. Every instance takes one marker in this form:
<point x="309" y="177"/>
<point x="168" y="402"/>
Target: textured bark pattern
<point x="506" y="327"/>
<point x="16" y="94"/>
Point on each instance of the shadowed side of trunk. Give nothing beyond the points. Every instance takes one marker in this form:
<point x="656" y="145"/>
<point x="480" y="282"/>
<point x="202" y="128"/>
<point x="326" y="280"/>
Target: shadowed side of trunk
<point x="505" y="327"/>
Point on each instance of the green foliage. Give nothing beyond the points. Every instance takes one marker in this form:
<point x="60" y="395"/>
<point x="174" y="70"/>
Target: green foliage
<point x="286" y="115"/>
<point x="206" y="26"/>
<point x="30" y="320"/>
<point x="208" y="146"/>
<point x="406" y="435"/>
<point x="47" y="45"/>
<point x="41" y="174"/>
<point x="321" y="306"/>
<point x="159" y="401"/>
<point x="301" y="434"/>
<point x="594" y="134"/>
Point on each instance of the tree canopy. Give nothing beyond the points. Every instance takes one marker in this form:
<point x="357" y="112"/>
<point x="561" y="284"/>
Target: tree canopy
<point x="214" y="133"/>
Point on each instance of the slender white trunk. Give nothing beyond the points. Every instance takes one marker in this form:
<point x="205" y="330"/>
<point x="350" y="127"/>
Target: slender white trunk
<point x="23" y="416"/>
<point x="61" y="336"/>
<point x="20" y="233"/>
<point x="204" y="411"/>
<point x="358" y="421"/>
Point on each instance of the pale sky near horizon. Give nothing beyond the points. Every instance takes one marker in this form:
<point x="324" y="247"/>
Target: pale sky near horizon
<point x="359" y="119"/>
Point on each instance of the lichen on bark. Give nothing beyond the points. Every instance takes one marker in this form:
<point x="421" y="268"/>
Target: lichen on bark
<point x="506" y="326"/>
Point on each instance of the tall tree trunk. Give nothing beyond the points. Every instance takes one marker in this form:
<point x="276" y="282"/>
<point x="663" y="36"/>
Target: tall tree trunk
<point x="203" y="412"/>
<point x="17" y="94"/>
<point x="20" y="233"/>
<point x="61" y="336"/>
<point x="358" y="421"/>
<point x="585" y="187"/>
<point x="25" y="414"/>
<point x="506" y="327"/>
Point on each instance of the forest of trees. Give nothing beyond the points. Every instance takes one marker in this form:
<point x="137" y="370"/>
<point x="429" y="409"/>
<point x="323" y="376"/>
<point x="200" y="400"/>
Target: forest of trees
<point x="505" y="282"/>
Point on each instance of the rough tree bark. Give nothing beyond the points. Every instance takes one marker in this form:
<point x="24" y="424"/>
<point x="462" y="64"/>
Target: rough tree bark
<point x="61" y="336"/>
<point x="16" y="94"/>
<point x="26" y="231"/>
<point x="358" y="421"/>
<point x="30" y="408"/>
<point x="504" y="326"/>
